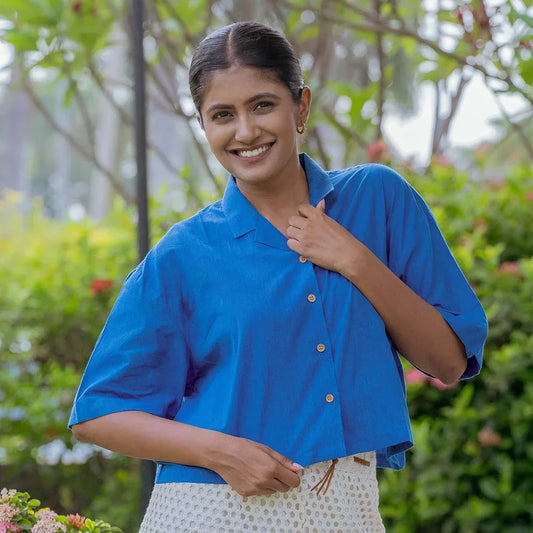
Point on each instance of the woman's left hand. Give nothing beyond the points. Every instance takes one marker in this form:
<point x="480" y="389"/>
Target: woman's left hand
<point x="321" y="239"/>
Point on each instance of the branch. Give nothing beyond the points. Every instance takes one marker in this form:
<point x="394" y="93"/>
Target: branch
<point x="385" y="26"/>
<point x="443" y="131"/>
<point x="127" y="119"/>
<point x="381" y="62"/>
<point x="89" y="128"/>
<point x="178" y="110"/>
<point x="320" y="147"/>
<point x="437" y="125"/>
<point x="517" y="127"/>
<point x="347" y="132"/>
<point x="89" y="155"/>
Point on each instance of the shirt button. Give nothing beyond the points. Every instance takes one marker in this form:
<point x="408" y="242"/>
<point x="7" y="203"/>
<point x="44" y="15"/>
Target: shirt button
<point x="321" y="347"/>
<point x="303" y="259"/>
<point x="329" y="398"/>
<point x="311" y="298"/>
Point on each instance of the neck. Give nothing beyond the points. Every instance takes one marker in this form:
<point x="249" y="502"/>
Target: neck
<point x="276" y="197"/>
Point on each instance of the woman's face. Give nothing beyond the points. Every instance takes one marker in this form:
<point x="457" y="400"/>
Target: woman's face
<point x="250" y="120"/>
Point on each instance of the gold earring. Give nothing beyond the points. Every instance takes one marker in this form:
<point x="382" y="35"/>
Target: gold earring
<point x="300" y="128"/>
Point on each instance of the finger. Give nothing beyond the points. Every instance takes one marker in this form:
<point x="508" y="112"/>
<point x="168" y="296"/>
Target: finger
<point x="279" y="486"/>
<point x="297" y="222"/>
<point x="287" y="477"/>
<point x="294" y="245"/>
<point x="321" y="206"/>
<point x="294" y="233"/>
<point x="306" y="210"/>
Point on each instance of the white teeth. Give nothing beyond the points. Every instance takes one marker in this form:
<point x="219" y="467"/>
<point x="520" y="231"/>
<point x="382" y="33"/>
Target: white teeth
<point x="252" y="153"/>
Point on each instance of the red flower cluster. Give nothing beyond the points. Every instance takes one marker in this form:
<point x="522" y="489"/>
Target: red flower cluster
<point x="378" y="151"/>
<point x="99" y="285"/>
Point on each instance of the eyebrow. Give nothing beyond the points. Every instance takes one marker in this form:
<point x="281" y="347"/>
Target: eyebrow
<point x="249" y="101"/>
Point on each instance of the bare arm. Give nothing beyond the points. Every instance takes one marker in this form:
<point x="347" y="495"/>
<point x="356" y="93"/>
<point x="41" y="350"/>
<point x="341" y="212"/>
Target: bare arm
<point x="416" y="327"/>
<point x="249" y="467"/>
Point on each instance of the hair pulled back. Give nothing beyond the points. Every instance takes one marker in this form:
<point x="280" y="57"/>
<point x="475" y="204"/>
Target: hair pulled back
<point x="249" y="44"/>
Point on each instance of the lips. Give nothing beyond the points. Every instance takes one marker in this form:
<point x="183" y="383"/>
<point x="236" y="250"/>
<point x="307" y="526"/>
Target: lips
<point x="252" y="153"/>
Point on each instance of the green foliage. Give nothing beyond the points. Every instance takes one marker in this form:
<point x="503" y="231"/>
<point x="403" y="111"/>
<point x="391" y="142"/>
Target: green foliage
<point x="58" y="282"/>
<point x="57" y="285"/>
<point x="24" y="513"/>
<point x="471" y="468"/>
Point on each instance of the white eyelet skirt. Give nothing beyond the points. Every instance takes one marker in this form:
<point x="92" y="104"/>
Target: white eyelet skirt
<point x="350" y="504"/>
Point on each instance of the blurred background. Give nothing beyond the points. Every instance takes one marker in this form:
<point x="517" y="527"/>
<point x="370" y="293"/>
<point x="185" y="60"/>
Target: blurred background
<point x="441" y="90"/>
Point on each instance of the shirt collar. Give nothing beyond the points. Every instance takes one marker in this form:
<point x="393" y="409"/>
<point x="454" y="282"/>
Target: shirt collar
<point x="242" y="215"/>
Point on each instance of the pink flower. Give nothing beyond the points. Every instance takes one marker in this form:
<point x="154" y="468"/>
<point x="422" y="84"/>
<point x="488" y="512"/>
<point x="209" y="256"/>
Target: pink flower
<point x="377" y="151"/>
<point x="75" y="520"/>
<point x="510" y="267"/>
<point x="495" y="184"/>
<point x="438" y="384"/>
<point x="415" y="377"/>
<point x="442" y="159"/>
<point x="529" y="196"/>
<point x="47" y="523"/>
<point x="7" y="512"/>
<point x="9" y="527"/>
<point x="487" y="437"/>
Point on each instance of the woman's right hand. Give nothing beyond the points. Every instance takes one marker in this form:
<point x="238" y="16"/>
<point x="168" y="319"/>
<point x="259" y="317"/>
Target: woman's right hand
<point x="254" y="469"/>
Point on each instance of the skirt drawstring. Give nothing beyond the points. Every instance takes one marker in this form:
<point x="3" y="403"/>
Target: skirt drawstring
<point x="325" y="482"/>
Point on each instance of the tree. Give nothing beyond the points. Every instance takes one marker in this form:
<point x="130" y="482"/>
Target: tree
<point x="363" y="60"/>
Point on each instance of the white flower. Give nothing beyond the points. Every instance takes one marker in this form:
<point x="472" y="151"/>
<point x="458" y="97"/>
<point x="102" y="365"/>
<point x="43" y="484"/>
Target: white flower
<point x="5" y="494"/>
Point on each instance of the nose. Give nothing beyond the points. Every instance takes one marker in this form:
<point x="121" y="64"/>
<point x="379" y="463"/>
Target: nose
<point x="247" y="130"/>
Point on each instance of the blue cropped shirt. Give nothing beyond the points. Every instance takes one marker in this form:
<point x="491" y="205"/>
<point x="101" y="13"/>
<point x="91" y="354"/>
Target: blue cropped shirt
<point x="222" y="326"/>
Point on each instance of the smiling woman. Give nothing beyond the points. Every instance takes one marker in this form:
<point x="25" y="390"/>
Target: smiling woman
<point x="278" y="313"/>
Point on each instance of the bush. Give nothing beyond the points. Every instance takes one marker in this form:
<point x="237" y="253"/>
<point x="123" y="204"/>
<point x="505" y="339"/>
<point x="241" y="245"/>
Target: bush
<point x="471" y="467"/>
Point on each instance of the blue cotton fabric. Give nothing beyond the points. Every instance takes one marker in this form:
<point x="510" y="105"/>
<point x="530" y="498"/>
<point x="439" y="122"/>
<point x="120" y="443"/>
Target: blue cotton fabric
<point x="214" y="328"/>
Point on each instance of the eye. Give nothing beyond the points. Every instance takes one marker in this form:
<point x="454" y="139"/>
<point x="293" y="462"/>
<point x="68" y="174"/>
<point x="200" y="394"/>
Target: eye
<point x="219" y="115"/>
<point x="264" y="105"/>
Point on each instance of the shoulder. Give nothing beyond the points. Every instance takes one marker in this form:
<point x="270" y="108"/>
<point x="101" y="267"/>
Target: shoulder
<point x="195" y="229"/>
<point x="186" y="239"/>
<point x="370" y="180"/>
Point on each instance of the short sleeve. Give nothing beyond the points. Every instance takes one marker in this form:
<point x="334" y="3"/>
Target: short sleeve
<point x="140" y="361"/>
<point x="419" y="255"/>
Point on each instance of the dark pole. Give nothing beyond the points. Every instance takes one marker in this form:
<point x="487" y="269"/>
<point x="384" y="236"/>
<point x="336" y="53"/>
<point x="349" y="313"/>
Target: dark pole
<point x="143" y="232"/>
<point x="140" y="128"/>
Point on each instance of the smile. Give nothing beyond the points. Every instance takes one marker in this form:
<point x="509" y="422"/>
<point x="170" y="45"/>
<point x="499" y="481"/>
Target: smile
<point x="247" y="154"/>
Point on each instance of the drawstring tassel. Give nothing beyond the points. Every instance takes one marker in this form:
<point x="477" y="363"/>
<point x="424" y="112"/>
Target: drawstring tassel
<point x="326" y="480"/>
<point x="361" y="461"/>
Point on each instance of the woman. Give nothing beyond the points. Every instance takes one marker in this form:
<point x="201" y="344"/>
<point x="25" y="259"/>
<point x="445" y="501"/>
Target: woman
<point x="254" y="352"/>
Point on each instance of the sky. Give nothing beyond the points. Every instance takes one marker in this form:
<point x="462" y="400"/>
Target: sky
<point x="472" y="125"/>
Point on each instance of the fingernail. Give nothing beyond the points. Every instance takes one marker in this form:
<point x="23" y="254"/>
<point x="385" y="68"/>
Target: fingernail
<point x="296" y="465"/>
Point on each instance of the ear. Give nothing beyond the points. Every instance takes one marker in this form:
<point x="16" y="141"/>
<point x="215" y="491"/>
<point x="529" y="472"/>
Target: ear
<point x="304" y="105"/>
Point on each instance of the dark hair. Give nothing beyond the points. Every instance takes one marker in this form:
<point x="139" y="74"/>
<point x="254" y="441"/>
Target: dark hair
<point x="249" y="44"/>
